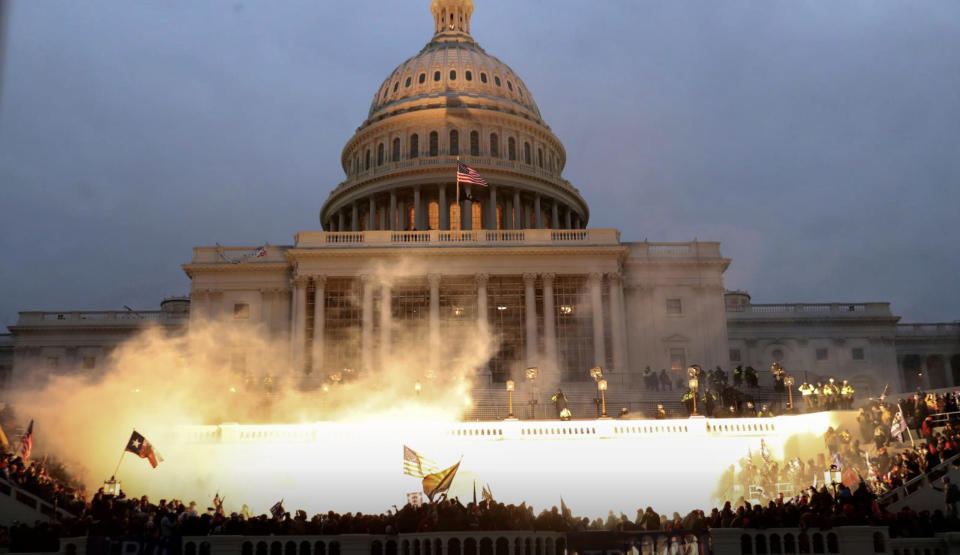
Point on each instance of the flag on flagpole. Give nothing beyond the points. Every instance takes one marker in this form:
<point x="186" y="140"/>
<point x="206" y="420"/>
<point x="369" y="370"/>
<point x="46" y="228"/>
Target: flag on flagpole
<point x="217" y="504"/>
<point x="3" y="440"/>
<point x="899" y="426"/>
<point x="564" y="510"/>
<point x="139" y="446"/>
<point x="26" y="442"/>
<point x="439" y="482"/>
<point x="277" y="509"/>
<point x="486" y="493"/>
<point x="415" y="465"/>
<point x="466" y="174"/>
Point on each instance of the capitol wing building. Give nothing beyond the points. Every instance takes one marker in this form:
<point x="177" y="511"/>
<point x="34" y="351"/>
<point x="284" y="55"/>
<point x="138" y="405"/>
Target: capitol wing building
<point x="410" y="261"/>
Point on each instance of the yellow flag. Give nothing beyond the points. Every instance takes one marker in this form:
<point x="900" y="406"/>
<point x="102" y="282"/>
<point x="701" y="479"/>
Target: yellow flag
<point x="3" y="440"/>
<point x="439" y="482"/>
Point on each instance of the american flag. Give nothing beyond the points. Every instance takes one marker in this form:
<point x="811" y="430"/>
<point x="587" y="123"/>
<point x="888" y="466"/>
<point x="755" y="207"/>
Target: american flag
<point x="466" y="174"/>
<point x="415" y="465"/>
<point x="26" y="442"/>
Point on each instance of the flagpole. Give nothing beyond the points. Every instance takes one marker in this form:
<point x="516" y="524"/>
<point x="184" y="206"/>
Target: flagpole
<point x="909" y="433"/>
<point x="121" y="459"/>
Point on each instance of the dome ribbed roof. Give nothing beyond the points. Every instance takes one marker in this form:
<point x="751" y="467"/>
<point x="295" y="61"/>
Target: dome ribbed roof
<point x="453" y="66"/>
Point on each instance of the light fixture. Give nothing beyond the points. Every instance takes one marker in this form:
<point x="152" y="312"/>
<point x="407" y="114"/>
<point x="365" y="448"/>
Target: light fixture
<point x="602" y="386"/>
<point x="417" y="387"/>
<point x="510" y="388"/>
<point x="458" y="311"/>
<point x="566" y="309"/>
<point x="501" y="307"/>
<point x="596" y="373"/>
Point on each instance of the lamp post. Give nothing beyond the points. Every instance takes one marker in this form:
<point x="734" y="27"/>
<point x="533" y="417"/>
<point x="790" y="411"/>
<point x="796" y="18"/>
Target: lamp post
<point x="596" y="373"/>
<point x="510" y="387"/>
<point x="532" y="374"/>
<point x="789" y="381"/>
<point x="694" y="383"/>
<point x="602" y="386"/>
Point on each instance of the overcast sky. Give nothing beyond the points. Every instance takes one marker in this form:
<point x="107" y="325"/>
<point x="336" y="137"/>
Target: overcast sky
<point x="818" y="141"/>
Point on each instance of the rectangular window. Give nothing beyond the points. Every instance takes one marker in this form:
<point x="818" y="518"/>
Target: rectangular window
<point x="241" y="311"/>
<point x="857" y="353"/>
<point x="89" y="363"/>
<point x="678" y="359"/>
<point x="821" y="354"/>
<point x="734" y="355"/>
<point x="674" y="306"/>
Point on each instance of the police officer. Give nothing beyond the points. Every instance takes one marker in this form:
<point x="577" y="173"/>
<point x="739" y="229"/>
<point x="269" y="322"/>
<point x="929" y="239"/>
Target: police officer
<point x="846" y="394"/>
<point x="806" y="391"/>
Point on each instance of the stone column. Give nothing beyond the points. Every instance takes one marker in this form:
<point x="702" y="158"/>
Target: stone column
<point x="567" y="224"/>
<point x="530" y="304"/>
<point x="372" y="216"/>
<point x="443" y="208"/>
<point x="266" y="309"/>
<point x="617" y="322"/>
<point x="393" y="211"/>
<point x="298" y="312"/>
<point x="492" y="222"/>
<point x="366" y="341"/>
<point x="508" y="213"/>
<point x="417" y="210"/>
<point x="517" y="211"/>
<point x="537" y="213"/>
<point x="483" y="325"/>
<point x="594" y="282"/>
<point x="319" y="285"/>
<point x="466" y="215"/>
<point x="554" y="216"/>
<point x="434" y="280"/>
<point x="549" y="321"/>
<point x="341" y="220"/>
<point x="355" y="217"/>
<point x="386" y="323"/>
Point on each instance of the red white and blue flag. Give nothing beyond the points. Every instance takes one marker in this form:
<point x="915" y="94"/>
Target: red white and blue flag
<point x="26" y="442"/>
<point x="139" y="446"/>
<point x="466" y="174"/>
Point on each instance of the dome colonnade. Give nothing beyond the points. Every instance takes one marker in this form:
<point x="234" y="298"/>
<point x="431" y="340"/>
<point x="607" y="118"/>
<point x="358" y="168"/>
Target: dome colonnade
<point x="453" y="101"/>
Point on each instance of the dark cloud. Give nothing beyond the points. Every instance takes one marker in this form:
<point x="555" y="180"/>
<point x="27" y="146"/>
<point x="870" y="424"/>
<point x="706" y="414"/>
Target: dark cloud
<point x="817" y="141"/>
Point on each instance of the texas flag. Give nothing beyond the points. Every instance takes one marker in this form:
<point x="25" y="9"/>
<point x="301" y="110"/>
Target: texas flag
<point x="139" y="446"/>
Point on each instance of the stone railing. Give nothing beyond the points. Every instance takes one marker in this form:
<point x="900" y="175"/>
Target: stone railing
<point x="929" y="330"/>
<point x="695" y="249"/>
<point x="479" y="237"/>
<point x="25" y="506"/>
<point x="99" y="318"/>
<point x="861" y="540"/>
<point x="436" y="543"/>
<point x="494" y="430"/>
<point x="813" y="309"/>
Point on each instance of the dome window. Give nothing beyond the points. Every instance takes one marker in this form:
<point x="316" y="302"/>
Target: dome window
<point x="366" y="160"/>
<point x="496" y="80"/>
<point x="422" y="78"/>
<point x="434" y="143"/>
<point x="469" y="75"/>
<point x="454" y="142"/>
<point x="540" y="157"/>
<point x="483" y="77"/>
<point x="414" y="145"/>
<point x="436" y="75"/>
<point x="395" y="155"/>
<point x="396" y="86"/>
<point x="474" y="143"/>
<point x="510" y="85"/>
<point x="409" y="80"/>
<point x="511" y="148"/>
<point x="380" y="154"/>
<point x="494" y="145"/>
<point x="453" y="75"/>
<point x="526" y="153"/>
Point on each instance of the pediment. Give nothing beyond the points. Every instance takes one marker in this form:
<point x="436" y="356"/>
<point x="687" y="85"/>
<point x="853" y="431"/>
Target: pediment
<point x="676" y="338"/>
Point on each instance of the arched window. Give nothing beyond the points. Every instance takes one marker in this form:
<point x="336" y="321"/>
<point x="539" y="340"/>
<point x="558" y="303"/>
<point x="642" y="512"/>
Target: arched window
<point x="436" y="75"/>
<point x="474" y="143"/>
<point x="476" y="212"/>
<point x="540" y="157"/>
<point x="496" y="80"/>
<point x="453" y="75"/>
<point x="511" y="148"/>
<point x="411" y="217"/>
<point x="494" y="145"/>
<point x="380" y="154"/>
<point x="433" y="215"/>
<point x="414" y="145"/>
<point x="366" y="160"/>
<point x="408" y="81"/>
<point x="483" y="77"/>
<point x="396" y="149"/>
<point x="454" y="142"/>
<point x="510" y="86"/>
<point x="468" y="75"/>
<point x="434" y="143"/>
<point x="526" y="152"/>
<point x="422" y="78"/>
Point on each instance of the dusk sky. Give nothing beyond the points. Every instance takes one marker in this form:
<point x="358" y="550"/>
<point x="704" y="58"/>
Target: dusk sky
<point x="818" y="141"/>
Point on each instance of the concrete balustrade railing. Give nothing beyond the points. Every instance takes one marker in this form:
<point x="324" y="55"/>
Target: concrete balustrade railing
<point x="371" y="239"/>
<point x="435" y="543"/>
<point x="492" y="430"/>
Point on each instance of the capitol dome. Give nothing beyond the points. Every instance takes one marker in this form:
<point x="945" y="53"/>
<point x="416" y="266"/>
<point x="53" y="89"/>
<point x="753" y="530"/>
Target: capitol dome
<point x="453" y="101"/>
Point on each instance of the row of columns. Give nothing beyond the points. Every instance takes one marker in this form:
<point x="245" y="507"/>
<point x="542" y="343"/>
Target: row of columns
<point x="561" y="216"/>
<point x="536" y="353"/>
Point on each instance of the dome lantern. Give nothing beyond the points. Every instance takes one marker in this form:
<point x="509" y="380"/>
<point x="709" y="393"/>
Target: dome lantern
<point x="451" y="16"/>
